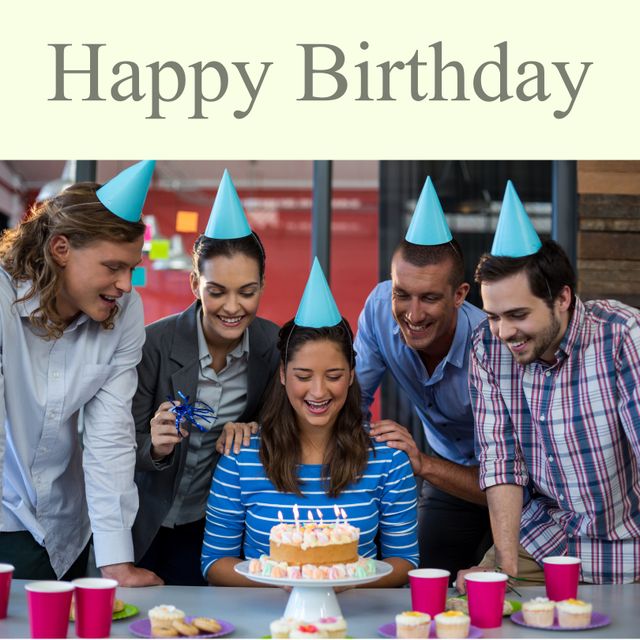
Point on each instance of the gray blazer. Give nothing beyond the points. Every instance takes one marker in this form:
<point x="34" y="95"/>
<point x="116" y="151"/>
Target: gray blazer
<point x="170" y="363"/>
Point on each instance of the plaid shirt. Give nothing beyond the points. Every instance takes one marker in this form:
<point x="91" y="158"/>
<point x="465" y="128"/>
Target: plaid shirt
<point x="571" y="433"/>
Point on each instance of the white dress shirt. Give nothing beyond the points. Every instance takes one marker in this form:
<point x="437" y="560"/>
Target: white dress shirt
<point x="56" y="484"/>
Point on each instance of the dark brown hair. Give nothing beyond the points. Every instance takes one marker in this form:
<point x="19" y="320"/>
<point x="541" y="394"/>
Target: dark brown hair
<point x="420" y="255"/>
<point x="280" y="452"/>
<point x="206" y="248"/>
<point x="25" y="252"/>
<point x="548" y="271"/>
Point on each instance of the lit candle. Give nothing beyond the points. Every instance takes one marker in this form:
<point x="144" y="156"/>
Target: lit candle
<point x="319" y="515"/>
<point x="280" y="518"/>
<point x="296" y="516"/>
<point x="344" y="515"/>
<point x="337" y="512"/>
<point x="310" y="516"/>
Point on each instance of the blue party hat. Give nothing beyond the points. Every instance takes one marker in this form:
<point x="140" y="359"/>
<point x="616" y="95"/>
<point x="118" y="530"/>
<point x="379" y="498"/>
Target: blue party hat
<point x="317" y="308"/>
<point x="124" y="194"/>
<point x="428" y="224"/>
<point x="515" y="236"/>
<point x="227" y="219"/>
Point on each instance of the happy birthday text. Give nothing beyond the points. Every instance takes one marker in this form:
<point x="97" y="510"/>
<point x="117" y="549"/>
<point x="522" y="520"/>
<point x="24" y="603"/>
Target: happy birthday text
<point x="428" y="75"/>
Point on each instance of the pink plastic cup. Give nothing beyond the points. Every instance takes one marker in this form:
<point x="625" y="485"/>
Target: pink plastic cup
<point x="94" y="606"/>
<point x="429" y="590"/>
<point x="49" y="604"/>
<point x="485" y="590"/>
<point x="6" y="571"/>
<point x="561" y="577"/>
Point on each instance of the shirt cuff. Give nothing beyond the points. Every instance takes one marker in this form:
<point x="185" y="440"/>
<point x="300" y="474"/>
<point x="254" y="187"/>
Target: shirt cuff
<point x="113" y="547"/>
<point x="163" y="463"/>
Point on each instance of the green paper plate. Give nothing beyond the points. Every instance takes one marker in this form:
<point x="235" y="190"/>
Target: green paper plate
<point x="129" y="611"/>
<point x="516" y="605"/>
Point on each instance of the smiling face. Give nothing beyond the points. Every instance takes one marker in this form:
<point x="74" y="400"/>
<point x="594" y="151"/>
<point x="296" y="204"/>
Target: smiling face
<point x="93" y="277"/>
<point x="525" y="323"/>
<point x="425" y="304"/>
<point x="230" y="291"/>
<point x="317" y="381"/>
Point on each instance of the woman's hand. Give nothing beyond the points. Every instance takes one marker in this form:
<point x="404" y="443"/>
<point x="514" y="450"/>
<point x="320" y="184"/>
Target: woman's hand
<point x="164" y="436"/>
<point x="235" y="435"/>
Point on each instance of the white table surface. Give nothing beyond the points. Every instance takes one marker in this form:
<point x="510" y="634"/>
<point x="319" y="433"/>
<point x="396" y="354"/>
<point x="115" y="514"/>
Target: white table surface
<point x="252" y="609"/>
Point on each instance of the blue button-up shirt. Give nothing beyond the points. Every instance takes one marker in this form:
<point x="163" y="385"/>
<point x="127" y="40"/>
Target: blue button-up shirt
<point x="441" y="400"/>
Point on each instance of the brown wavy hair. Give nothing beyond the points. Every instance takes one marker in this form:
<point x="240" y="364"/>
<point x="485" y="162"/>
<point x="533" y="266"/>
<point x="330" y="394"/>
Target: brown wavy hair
<point x="25" y="251"/>
<point x="280" y="451"/>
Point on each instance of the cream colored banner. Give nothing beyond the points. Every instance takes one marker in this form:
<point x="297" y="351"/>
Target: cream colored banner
<point x="336" y="79"/>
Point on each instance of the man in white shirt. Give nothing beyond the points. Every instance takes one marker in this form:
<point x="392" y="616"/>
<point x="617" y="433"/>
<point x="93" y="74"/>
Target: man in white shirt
<point x="71" y="333"/>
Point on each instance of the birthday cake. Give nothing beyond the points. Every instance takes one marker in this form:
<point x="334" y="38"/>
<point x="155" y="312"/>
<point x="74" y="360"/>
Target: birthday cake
<point x="313" y="551"/>
<point x="312" y="543"/>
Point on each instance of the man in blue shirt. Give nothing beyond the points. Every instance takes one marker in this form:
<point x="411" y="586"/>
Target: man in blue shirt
<point x="418" y="326"/>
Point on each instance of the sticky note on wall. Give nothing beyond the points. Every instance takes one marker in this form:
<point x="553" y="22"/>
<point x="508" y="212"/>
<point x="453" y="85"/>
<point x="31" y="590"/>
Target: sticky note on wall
<point x="187" y="222"/>
<point x="159" y="250"/>
<point x="139" y="277"/>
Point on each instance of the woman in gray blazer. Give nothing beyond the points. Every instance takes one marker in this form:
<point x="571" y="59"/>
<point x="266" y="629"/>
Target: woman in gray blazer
<point x="217" y="352"/>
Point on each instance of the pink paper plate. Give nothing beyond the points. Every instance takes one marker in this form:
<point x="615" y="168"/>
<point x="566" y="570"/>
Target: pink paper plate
<point x="389" y="630"/>
<point x="597" y="620"/>
<point x="142" y="628"/>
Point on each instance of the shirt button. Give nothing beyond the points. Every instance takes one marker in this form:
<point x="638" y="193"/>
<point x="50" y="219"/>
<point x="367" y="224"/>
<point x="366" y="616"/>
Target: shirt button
<point x="541" y="418"/>
<point x="550" y="458"/>
<point x="547" y="373"/>
<point x="561" y="497"/>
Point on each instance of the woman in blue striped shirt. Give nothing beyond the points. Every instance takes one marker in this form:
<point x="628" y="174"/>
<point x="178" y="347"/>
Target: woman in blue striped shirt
<point x="313" y="451"/>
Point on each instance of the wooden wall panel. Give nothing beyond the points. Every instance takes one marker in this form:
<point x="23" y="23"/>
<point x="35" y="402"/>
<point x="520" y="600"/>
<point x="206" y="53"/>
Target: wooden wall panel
<point x="609" y="230"/>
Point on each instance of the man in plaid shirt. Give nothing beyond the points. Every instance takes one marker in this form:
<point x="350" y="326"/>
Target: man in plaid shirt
<point x="555" y="385"/>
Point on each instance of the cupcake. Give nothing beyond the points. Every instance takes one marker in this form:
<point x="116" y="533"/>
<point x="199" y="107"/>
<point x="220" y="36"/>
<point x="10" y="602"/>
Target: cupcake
<point x="280" y="628"/>
<point x="574" y="613"/>
<point x="538" y="612"/>
<point x="334" y="627"/>
<point x="452" y="624"/>
<point x="412" y="624"/>
<point x="162" y="618"/>
<point x="306" y="631"/>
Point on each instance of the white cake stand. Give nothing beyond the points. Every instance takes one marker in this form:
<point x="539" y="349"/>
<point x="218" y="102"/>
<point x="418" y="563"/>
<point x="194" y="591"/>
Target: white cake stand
<point x="313" y="599"/>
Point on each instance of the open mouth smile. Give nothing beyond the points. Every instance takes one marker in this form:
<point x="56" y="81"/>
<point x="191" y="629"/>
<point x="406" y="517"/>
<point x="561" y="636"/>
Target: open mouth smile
<point x="231" y="321"/>
<point x="317" y="407"/>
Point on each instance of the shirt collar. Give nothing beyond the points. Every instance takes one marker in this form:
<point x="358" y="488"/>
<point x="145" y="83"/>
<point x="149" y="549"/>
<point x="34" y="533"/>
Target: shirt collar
<point x="458" y="347"/>
<point x="571" y="337"/>
<point x="27" y="307"/>
<point x="238" y="351"/>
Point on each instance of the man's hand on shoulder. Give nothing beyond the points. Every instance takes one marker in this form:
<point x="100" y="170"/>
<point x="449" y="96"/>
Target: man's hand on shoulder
<point x="398" y="437"/>
<point x="129" y="575"/>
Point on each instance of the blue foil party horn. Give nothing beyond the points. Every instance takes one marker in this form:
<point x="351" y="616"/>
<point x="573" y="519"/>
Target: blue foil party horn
<point x="192" y="413"/>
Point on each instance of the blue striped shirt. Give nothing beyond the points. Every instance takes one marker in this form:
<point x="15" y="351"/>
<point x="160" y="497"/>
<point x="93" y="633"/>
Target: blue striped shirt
<point x="243" y="505"/>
